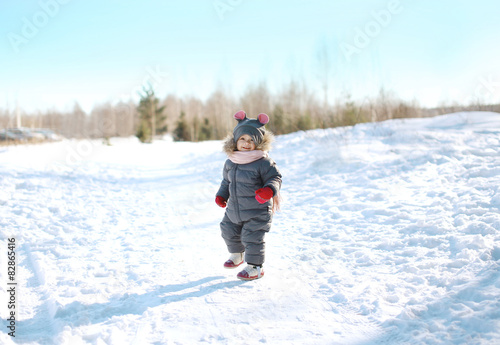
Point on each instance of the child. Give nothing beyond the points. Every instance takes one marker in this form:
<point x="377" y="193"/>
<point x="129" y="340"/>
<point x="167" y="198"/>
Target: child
<point x="250" y="189"/>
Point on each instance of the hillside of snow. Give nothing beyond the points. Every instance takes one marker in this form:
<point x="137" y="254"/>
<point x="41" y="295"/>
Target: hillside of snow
<point x="389" y="234"/>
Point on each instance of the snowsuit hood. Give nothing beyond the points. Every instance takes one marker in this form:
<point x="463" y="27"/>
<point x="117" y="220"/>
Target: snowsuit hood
<point x="229" y="145"/>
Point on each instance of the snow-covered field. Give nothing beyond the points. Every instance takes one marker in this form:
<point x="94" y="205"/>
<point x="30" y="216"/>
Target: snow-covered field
<point x="389" y="234"/>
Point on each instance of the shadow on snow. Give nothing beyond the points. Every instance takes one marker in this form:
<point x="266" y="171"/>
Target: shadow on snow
<point x="44" y="329"/>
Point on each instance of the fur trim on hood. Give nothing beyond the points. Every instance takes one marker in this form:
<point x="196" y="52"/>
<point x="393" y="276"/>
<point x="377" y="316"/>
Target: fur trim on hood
<point x="230" y="146"/>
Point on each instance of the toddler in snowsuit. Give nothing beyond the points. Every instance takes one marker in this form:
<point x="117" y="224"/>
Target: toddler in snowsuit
<point x="250" y="190"/>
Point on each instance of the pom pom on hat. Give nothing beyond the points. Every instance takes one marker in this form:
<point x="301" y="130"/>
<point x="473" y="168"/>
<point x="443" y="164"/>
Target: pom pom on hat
<point x="263" y="118"/>
<point x="240" y="115"/>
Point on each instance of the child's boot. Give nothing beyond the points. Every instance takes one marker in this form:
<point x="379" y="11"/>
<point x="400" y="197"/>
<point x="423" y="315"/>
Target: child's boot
<point x="235" y="259"/>
<point x="251" y="272"/>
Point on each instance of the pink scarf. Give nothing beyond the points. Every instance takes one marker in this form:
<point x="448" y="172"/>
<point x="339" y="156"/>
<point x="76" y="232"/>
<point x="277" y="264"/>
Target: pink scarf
<point x="245" y="157"/>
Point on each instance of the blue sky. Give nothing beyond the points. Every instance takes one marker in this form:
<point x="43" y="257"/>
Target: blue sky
<point x="58" y="52"/>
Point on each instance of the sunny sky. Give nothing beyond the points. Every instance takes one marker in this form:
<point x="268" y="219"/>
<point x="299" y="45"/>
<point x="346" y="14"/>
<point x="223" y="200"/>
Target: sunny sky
<point x="58" y="52"/>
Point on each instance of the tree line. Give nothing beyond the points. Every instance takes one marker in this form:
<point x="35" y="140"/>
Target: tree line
<point x="293" y="109"/>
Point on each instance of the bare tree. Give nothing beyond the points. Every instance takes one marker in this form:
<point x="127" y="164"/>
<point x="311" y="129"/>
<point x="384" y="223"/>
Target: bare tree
<point x="256" y="100"/>
<point x="219" y="109"/>
<point x="126" y="119"/>
<point x="193" y="108"/>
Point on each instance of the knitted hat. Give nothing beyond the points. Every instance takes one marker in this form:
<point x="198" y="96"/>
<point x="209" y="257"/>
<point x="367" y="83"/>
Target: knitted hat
<point x="253" y="127"/>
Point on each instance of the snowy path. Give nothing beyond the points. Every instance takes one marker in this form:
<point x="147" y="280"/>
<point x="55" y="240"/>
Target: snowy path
<point x="389" y="234"/>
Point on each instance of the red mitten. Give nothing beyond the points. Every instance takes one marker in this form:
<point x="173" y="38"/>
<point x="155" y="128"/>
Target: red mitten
<point x="220" y="201"/>
<point x="263" y="194"/>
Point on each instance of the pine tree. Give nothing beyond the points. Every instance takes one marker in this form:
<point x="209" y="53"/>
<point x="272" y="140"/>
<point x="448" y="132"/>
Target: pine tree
<point x="277" y="125"/>
<point x="152" y="119"/>
<point x="305" y="122"/>
<point x="206" y="130"/>
<point x="181" y="132"/>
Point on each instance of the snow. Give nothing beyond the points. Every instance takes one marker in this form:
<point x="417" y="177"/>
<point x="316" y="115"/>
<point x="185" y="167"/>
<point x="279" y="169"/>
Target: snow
<point x="388" y="234"/>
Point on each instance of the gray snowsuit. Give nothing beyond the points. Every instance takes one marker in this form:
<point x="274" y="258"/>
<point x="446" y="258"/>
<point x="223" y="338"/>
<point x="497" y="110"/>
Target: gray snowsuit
<point x="246" y="220"/>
